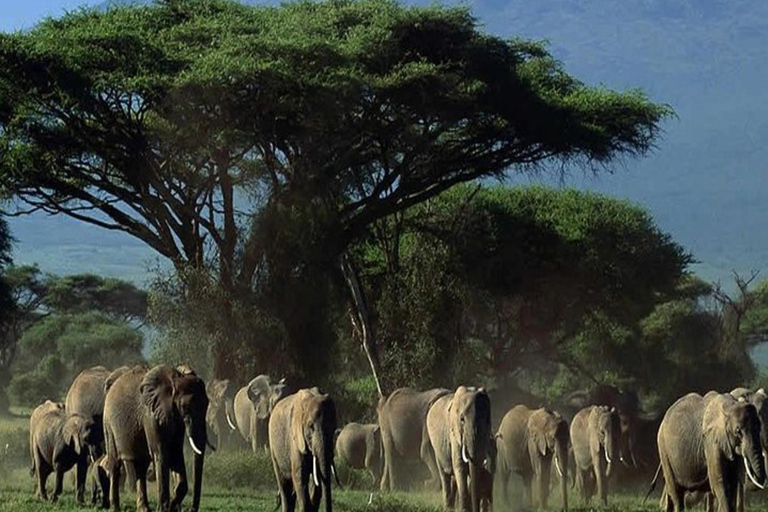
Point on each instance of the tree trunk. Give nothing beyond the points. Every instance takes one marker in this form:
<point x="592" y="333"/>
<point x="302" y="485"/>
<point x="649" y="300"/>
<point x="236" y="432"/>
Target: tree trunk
<point x="362" y="317"/>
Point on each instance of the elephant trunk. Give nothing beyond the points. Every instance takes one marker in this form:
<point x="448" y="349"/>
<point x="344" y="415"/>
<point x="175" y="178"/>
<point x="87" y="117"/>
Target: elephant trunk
<point x="754" y="463"/>
<point x="475" y="467"/>
<point x="561" y="464"/>
<point x="198" y="440"/>
<point x="325" y="463"/>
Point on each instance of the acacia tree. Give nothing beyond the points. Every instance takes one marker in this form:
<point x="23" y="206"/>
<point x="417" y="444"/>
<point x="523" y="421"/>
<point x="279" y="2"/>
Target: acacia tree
<point x="256" y="142"/>
<point x="497" y="280"/>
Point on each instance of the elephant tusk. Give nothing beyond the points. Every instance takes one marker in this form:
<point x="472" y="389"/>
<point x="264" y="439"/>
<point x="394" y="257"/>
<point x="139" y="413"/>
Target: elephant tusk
<point x="194" y="446"/>
<point x="749" y="474"/>
<point x="230" y="422"/>
<point x="314" y="471"/>
<point x="370" y="499"/>
<point x="607" y="458"/>
<point x="557" y="465"/>
<point x="464" y="456"/>
<point x="335" y="475"/>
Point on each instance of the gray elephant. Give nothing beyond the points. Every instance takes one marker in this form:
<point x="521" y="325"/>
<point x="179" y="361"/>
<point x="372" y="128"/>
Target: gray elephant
<point x="759" y="399"/>
<point x="253" y="404"/>
<point x="528" y="442"/>
<point x="301" y="430"/>
<point x="221" y="412"/>
<point x="404" y="436"/>
<point x="459" y="427"/>
<point x="359" y="445"/>
<point x="703" y="443"/>
<point x="85" y="398"/>
<point x="147" y="415"/>
<point x="595" y="437"/>
<point x="57" y="442"/>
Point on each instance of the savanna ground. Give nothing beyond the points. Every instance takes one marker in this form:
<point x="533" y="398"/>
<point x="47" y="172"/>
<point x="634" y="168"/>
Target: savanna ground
<point x="240" y="481"/>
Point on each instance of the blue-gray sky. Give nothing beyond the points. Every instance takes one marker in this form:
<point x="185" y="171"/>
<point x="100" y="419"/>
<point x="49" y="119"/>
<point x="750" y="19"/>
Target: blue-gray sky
<point x="21" y="14"/>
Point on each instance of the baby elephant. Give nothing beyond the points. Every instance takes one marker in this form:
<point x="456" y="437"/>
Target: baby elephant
<point x="57" y="443"/>
<point x="360" y="446"/>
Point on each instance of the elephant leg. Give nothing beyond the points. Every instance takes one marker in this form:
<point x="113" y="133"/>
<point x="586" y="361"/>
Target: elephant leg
<point x="543" y="487"/>
<point x="428" y="456"/>
<point x="182" y="487"/>
<point x="675" y="498"/>
<point x="740" y="497"/>
<point x="462" y="492"/>
<point x="445" y="485"/>
<point x="114" y="485"/>
<point x="527" y="494"/>
<point x="287" y="496"/>
<point x="58" y="485"/>
<point x="81" y="470"/>
<point x="42" y="471"/>
<point x="101" y="486"/>
<point x="300" y="475"/>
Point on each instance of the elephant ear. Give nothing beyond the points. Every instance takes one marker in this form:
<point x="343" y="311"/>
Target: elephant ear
<point x="540" y="442"/>
<point x="296" y="413"/>
<point x="72" y="433"/>
<point x="715" y="426"/>
<point x="158" y="390"/>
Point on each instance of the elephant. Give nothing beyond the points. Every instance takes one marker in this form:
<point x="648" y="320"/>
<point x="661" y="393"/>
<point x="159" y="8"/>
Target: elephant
<point x="485" y="477"/>
<point x="360" y="447"/>
<point x="100" y="482"/>
<point x="459" y="428"/>
<point x="700" y="441"/>
<point x="595" y="434"/>
<point x="253" y="404"/>
<point x="528" y="441"/>
<point x="146" y="417"/>
<point x="404" y="436"/>
<point x="57" y="442"/>
<point x="301" y="431"/>
<point x="759" y="399"/>
<point x="221" y="411"/>
<point x="627" y="404"/>
<point x="85" y="398"/>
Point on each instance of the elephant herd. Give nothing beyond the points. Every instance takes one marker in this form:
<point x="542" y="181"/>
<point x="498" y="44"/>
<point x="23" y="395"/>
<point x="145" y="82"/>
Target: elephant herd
<point x="134" y="421"/>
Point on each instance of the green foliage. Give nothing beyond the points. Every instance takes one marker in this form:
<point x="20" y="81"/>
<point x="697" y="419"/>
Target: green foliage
<point x="255" y="144"/>
<point x="55" y="349"/>
<point x="549" y="285"/>
<point x="240" y="470"/>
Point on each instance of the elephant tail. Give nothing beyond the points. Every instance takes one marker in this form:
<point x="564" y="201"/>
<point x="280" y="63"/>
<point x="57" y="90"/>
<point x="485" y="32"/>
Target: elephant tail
<point x="653" y="483"/>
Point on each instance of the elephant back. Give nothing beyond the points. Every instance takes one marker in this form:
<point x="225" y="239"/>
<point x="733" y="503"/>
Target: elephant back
<point x="86" y="393"/>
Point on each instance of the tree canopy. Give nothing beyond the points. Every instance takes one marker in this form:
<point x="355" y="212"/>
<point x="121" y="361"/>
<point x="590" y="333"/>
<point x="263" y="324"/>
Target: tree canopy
<point x="522" y="278"/>
<point x="255" y="142"/>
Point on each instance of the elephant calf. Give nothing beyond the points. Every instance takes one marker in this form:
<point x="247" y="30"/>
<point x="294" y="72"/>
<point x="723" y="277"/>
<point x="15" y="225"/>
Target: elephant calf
<point x="57" y="442"/>
<point x="360" y="447"/>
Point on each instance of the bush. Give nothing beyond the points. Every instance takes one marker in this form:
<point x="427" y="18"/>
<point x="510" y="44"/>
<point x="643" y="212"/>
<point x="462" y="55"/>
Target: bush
<point x="14" y="445"/>
<point x="33" y="388"/>
<point x="240" y="469"/>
